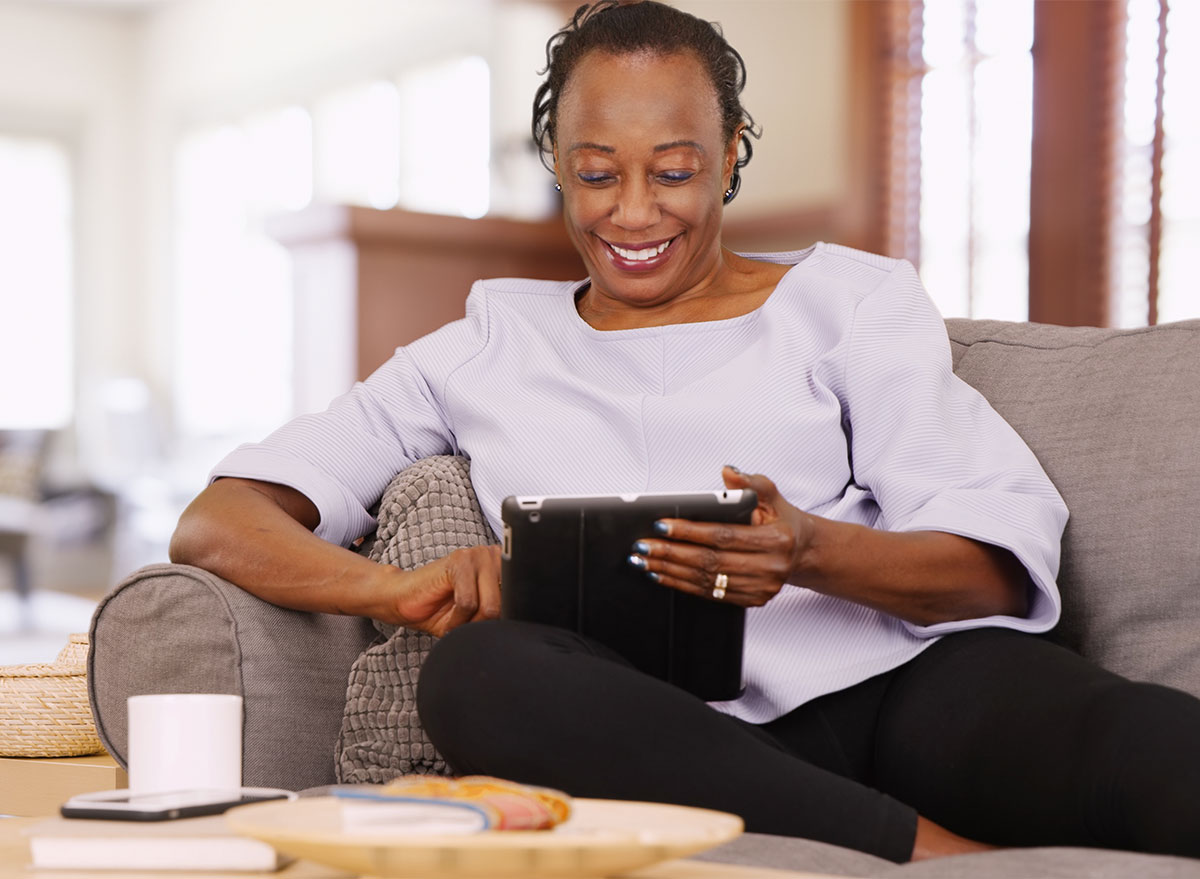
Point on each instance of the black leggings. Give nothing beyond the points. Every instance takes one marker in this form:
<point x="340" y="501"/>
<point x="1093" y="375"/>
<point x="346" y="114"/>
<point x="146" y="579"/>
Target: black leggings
<point x="996" y="735"/>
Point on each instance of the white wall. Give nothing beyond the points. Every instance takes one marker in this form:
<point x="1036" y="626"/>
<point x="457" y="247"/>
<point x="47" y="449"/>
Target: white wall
<point x="796" y="54"/>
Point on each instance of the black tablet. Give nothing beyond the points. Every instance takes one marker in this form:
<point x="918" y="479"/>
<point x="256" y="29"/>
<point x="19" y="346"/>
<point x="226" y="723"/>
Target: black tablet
<point x="565" y="563"/>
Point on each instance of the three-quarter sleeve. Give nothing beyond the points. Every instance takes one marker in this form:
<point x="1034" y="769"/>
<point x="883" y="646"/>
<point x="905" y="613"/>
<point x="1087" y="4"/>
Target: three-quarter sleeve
<point x="935" y="455"/>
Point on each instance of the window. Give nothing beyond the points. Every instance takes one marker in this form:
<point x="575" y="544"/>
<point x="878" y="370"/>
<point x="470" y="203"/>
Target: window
<point x="420" y="142"/>
<point x="233" y="315"/>
<point x="976" y="113"/>
<point x="36" y="292"/>
<point x="445" y="143"/>
<point x="1040" y="151"/>
<point x="1158" y="213"/>
<point x="955" y="77"/>
<point x="357" y="145"/>
<point x="1177" y="291"/>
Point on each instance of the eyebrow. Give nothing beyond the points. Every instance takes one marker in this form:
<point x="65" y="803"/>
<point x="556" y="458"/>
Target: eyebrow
<point x="661" y="148"/>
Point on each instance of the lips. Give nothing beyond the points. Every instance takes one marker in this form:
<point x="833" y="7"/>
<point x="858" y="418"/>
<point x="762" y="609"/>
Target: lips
<point x="640" y="256"/>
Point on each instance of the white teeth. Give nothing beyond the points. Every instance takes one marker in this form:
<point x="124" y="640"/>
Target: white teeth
<point x="640" y="255"/>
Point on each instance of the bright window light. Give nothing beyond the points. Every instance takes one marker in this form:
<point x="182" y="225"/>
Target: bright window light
<point x="357" y="145"/>
<point x="1178" y="298"/>
<point x="976" y="130"/>
<point x="37" y="362"/>
<point x="1131" y="251"/>
<point x="233" y="296"/>
<point x="445" y="137"/>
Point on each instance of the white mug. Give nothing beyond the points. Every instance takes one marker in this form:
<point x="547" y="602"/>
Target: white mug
<point x="185" y="741"/>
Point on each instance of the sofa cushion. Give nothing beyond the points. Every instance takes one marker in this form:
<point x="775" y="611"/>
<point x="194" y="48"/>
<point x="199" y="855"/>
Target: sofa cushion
<point x="1047" y="863"/>
<point x="427" y="512"/>
<point x="180" y="629"/>
<point x="1114" y="418"/>
<point x="786" y="853"/>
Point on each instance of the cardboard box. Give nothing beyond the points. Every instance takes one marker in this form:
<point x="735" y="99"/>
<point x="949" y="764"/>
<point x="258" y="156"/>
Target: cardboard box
<point x="33" y="786"/>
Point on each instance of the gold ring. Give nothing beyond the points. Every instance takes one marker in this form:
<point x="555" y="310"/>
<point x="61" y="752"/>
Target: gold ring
<point x="719" y="586"/>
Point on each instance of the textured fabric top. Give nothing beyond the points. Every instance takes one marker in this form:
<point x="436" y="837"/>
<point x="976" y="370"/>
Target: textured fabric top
<point x="839" y="387"/>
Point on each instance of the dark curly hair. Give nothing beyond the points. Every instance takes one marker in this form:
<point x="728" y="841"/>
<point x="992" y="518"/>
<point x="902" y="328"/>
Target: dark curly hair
<point x="622" y="27"/>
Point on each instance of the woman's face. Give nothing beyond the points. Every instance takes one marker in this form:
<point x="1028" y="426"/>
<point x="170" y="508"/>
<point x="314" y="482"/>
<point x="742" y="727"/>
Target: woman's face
<point x="643" y="164"/>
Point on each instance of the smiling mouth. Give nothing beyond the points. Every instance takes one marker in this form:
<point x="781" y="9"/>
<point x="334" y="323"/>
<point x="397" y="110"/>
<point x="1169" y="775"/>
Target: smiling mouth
<point x="641" y="257"/>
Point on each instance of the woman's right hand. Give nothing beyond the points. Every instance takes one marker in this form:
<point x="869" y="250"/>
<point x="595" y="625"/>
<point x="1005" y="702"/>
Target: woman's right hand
<point x="461" y="587"/>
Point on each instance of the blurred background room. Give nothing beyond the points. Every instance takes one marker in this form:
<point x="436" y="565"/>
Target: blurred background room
<point x="217" y="214"/>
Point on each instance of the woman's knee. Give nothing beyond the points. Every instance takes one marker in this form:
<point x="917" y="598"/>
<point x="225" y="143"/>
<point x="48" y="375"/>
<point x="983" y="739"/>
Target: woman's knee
<point x="467" y="682"/>
<point x="499" y="671"/>
<point x="1144" y="766"/>
<point x="468" y="665"/>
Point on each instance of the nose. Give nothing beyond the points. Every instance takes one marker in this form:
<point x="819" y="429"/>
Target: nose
<point x="637" y="205"/>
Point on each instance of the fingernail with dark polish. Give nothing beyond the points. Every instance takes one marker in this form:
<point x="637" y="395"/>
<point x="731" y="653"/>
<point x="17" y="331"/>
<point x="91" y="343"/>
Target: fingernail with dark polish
<point x="637" y="561"/>
<point x="642" y="547"/>
<point x="734" y="469"/>
<point x="655" y="577"/>
<point x="662" y="527"/>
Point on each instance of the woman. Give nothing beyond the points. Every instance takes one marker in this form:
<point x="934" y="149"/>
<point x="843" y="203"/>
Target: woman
<point x="904" y="547"/>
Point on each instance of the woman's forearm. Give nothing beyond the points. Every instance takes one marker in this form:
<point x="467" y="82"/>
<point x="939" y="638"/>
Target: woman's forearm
<point x="924" y="577"/>
<point x="259" y="536"/>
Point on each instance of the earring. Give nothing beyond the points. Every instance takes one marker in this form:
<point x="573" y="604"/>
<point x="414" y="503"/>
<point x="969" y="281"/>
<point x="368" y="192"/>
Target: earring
<point x="728" y="195"/>
<point x="558" y="187"/>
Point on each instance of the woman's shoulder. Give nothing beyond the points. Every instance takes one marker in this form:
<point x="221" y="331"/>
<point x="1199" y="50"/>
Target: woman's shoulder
<point x="491" y="300"/>
<point x="858" y="267"/>
<point x="523" y="289"/>
<point x="495" y="308"/>
<point x="827" y="283"/>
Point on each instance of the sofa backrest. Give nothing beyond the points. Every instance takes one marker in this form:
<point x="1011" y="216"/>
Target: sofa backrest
<point x="1114" y="418"/>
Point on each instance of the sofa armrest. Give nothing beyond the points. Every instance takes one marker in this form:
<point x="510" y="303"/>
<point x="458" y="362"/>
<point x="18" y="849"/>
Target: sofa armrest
<point x="179" y="629"/>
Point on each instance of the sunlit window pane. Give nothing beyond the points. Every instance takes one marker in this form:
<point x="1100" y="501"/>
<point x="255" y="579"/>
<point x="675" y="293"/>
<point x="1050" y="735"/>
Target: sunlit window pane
<point x="445" y="138"/>
<point x="1003" y="27"/>
<point x="233" y="312"/>
<point x="946" y="189"/>
<point x="943" y="38"/>
<point x="1131" y="244"/>
<point x="36" y="333"/>
<point x="1178" y="293"/>
<point x="1141" y="71"/>
<point x="280" y="156"/>
<point x="357" y="145"/>
<point x="1000" y="213"/>
<point x="976" y="129"/>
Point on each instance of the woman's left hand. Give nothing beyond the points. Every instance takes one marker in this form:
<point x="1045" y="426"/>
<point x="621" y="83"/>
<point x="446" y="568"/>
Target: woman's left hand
<point x="756" y="559"/>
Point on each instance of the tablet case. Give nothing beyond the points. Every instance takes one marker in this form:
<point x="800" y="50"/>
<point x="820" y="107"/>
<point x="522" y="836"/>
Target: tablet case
<point x="565" y="563"/>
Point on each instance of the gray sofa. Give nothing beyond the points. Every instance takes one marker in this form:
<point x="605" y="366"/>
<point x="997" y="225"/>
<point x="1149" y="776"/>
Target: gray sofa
<point x="1114" y="417"/>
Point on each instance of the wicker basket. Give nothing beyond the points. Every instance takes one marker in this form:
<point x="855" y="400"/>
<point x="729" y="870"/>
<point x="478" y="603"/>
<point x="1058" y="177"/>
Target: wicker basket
<point x="44" y="709"/>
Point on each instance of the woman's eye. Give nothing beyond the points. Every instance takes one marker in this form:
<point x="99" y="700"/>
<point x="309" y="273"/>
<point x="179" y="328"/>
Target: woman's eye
<point x="676" y="176"/>
<point x="594" y="177"/>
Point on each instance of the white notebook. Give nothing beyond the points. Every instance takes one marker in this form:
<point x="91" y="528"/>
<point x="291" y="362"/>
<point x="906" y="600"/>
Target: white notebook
<point x="187" y="844"/>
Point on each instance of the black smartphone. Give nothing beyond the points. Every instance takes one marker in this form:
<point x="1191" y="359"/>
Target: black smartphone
<point x="122" y="805"/>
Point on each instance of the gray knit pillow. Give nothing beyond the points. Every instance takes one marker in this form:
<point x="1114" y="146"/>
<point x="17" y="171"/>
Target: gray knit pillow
<point x="428" y="511"/>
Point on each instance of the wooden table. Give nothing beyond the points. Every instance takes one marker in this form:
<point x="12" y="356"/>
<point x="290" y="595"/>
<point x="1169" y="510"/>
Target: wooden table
<point x="14" y="864"/>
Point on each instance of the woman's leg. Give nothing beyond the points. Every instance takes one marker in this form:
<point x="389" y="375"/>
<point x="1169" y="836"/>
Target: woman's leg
<point x="545" y="706"/>
<point x="1007" y="738"/>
